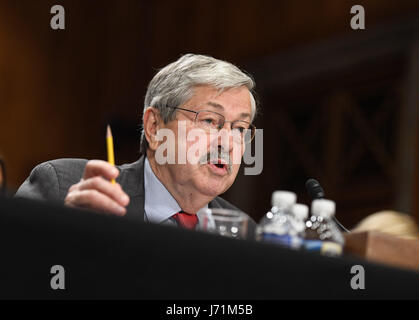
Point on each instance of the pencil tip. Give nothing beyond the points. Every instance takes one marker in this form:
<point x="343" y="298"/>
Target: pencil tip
<point x="108" y="131"/>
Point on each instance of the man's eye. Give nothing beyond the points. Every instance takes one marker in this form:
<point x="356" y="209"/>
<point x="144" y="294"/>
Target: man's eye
<point x="240" y="129"/>
<point x="209" y="121"/>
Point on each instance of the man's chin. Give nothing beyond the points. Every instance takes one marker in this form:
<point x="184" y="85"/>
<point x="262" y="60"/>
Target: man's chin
<point x="213" y="184"/>
<point x="214" y="188"/>
<point x="212" y="193"/>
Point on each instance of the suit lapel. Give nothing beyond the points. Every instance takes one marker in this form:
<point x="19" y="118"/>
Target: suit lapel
<point x="131" y="178"/>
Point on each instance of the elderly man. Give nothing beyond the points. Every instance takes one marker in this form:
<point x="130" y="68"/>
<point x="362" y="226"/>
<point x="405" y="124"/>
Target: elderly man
<point x="195" y="92"/>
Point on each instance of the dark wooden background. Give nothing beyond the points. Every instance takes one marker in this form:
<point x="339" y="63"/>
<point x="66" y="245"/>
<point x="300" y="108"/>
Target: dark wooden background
<point x="337" y="105"/>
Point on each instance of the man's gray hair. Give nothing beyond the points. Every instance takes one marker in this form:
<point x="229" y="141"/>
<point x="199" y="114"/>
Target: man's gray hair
<point x="174" y="85"/>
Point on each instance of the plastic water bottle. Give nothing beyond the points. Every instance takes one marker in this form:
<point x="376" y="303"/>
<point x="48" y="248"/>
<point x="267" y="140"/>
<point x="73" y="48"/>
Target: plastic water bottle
<point x="322" y="233"/>
<point x="299" y="215"/>
<point x="276" y="226"/>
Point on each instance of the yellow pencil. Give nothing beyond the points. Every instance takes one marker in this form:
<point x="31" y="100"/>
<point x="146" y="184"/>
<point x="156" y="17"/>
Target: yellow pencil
<point x="109" y="144"/>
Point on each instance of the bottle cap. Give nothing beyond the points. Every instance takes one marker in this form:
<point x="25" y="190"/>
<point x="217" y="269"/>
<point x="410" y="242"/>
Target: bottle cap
<point x="323" y="207"/>
<point x="283" y="198"/>
<point x="300" y="211"/>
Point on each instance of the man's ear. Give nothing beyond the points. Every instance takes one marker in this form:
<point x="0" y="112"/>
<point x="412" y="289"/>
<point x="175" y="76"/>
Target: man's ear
<point x="152" y="122"/>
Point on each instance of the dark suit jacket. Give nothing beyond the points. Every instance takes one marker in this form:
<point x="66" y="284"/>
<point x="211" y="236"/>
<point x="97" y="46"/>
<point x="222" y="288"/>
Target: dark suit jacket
<point x="51" y="180"/>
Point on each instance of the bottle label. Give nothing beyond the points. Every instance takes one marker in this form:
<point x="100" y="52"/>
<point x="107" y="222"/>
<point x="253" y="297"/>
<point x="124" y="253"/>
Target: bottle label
<point x="283" y="239"/>
<point x="326" y="248"/>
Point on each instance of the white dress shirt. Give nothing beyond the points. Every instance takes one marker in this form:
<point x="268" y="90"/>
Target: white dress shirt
<point x="159" y="204"/>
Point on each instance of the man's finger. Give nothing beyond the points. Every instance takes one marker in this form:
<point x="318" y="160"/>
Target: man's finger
<point x="95" y="200"/>
<point x="113" y="191"/>
<point x="100" y="168"/>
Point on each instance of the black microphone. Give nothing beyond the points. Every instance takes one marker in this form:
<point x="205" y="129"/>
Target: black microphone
<point x="315" y="191"/>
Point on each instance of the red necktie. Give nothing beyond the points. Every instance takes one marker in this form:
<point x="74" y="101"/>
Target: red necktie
<point x="186" y="220"/>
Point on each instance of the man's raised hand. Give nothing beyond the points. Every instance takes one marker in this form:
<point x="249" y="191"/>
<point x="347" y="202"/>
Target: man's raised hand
<point x="96" y="192"/>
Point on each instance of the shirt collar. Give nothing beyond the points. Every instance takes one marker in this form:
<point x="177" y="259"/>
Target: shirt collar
<point x="159" y="204"/>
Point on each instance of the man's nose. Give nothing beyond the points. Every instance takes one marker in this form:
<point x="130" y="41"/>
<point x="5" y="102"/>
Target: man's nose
<point x="225" y="137"/>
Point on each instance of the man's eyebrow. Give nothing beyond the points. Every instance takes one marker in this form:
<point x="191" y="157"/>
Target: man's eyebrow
<point x="215" y="105"/>
<point x="245" y="115"/>
<point x="219" y="106"/>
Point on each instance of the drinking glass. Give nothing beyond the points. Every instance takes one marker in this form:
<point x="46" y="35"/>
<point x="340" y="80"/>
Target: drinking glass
<point x="225" y="222"/>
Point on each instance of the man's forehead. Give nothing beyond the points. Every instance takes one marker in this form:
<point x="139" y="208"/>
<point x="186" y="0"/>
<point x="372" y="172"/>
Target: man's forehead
<point x="211" y="92"/>
<point x="239" y="112"/>
<point x="234" y="99"/>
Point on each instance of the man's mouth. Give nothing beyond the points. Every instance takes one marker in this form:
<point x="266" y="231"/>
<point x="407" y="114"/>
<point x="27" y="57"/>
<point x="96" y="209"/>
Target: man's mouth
<point x="220" y="167"/>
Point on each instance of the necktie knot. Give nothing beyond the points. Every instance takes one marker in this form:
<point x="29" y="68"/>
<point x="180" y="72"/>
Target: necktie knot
<point x="186" y="220"/>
